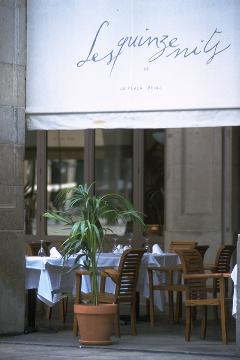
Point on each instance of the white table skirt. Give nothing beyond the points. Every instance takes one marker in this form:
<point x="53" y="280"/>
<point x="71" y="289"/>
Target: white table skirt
<point x="51" y="278"/>
<point x="234" y="279"/>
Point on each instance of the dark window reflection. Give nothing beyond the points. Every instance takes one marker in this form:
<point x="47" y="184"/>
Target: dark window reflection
<point x="114" y="167"/>
<point x="154" y="176"/>
<point x="65" y="169"/>
<point x="30" y="182"/>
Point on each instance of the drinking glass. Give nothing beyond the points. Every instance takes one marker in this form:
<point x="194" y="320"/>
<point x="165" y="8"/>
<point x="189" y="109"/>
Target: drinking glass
<point x="130" y="239"/>
<point x="41" y="251"/>
<point x="115" y="244"/>
<point x="146" y="244"/>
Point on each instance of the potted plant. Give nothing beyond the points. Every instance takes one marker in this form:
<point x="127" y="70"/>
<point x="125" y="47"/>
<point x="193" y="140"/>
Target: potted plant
<point x="83" y="214"/>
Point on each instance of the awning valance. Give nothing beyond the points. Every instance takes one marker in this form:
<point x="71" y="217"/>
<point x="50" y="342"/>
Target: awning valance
<point x="135" y="120"/>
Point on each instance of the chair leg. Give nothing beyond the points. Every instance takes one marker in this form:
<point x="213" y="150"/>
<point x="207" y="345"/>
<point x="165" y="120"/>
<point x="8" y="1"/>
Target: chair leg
<point x="204" y="322"/>
<point x="151" y="310"/>
<point x="49" y="312"/>
<point x="148" y="308"/>
<point x="193" y="316"/>
<point x="179" y="297"/>
<point x="102" y="284"/>
<point x="63" y="309"/>
<point x="75" y="326"/>
<point x="77" y="301"/>
<point x="171" y="306"/>
<point x="223" y="323"/>
<point x="133" y="319"/>
<point x="117" y="322"/>
<point x="188" y="323"/>
<point x="137" y="306"/>
<point x="215" y="307"/>
<point x="151" y="298"/>
<point x="223" y="312"/>
<point x="178" y="310"/>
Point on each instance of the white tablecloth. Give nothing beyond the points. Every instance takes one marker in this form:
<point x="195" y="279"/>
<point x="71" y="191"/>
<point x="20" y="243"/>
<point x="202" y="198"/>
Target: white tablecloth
<point x="234" y="279"/>
<point x="51" y="278"/>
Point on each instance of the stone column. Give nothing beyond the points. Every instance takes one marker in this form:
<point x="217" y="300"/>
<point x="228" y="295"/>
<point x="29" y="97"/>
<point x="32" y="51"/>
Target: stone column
<point x="193" y="197"/>
<point x="12" y="122"/>
<point x="202" y="195"/>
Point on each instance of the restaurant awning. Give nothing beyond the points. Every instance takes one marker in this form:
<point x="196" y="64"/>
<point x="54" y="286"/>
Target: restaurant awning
<point x="132" y="64"/>
<point x="135" y="120"/>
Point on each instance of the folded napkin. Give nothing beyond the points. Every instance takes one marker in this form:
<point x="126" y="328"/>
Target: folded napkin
<point x="54" y="253"/>
<point x="118" y="250"/>
<point x="234" y="275"/>
<point x="156" y="249"/>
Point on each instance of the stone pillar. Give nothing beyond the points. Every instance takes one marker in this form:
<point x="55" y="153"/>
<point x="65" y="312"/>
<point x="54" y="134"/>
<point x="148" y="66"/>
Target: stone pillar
<point x="193" y="196"/>
<point x="12" y="125"/>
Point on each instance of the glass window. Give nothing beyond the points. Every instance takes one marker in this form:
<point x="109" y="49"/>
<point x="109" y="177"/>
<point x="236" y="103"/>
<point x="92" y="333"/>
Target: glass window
<point x="154" y="141"/>
<point x="114" y="165"/>
<point x="114" y="161"/>
<point x="30" y="182"/>
<point x="65" y="151"/>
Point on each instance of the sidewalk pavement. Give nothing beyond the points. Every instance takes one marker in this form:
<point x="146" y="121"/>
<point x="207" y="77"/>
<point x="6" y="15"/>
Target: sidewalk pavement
<point x="165" y="342"/>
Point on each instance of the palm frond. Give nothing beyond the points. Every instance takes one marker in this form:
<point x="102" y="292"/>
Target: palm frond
<point x="83" y="212"/>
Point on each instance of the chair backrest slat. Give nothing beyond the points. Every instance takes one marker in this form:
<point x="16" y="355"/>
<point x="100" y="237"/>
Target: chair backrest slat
<point x="129" y="270"/>
<point x="223" y="258"/>
<point x="192" y="263"/>
<point x="182" y="245"/>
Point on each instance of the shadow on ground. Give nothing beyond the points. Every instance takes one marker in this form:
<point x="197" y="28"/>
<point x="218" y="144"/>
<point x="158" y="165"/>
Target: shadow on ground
<point x="165" y="339"/>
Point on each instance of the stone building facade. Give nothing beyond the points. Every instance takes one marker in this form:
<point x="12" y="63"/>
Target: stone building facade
<point x="202" y="176"/>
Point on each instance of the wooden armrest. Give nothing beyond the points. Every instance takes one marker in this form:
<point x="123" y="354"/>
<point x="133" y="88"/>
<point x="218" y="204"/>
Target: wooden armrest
<point x="112" y="273"/>
<point x="165" y="268"/>
<point x="83" y="272"/>
<point x="206" y="276"/>
<point x="211" y="267"/>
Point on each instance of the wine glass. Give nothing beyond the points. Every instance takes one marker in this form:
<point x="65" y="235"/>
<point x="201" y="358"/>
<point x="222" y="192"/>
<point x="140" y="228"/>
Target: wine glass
<point x="146" y="244"/>
<point x="41" y="251"/>
<point x="130" y="239"/>
<point x="115" y="241"/>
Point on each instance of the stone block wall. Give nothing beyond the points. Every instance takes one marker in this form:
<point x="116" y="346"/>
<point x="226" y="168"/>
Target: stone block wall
<point x="12" y="131"/>
<point x="193" y="179"/>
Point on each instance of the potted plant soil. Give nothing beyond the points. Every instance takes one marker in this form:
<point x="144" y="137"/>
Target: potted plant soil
<point x="82" y="214"/>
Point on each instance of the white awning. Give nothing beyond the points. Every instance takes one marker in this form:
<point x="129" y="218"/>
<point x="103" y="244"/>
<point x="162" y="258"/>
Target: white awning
<point x="138" y="120"/>
<point x="132" y="63"/>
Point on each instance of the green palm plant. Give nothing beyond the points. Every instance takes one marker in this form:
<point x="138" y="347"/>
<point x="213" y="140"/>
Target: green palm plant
<point x="83" y="213"/>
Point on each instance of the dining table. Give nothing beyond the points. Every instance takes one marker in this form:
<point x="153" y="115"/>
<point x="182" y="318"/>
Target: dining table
<point x="48" y="278"/>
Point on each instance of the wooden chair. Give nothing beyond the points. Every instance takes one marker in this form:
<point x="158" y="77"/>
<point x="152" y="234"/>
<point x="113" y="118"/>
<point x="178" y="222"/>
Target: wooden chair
<point x="196" y="291"/>
<point x="28" y="250"/>
<point x="125" y="279"/>
<point x="182" y="245"/>
<point x="171" y="281"/>
<point x="168" y="284"/>
<point x="221" y="265"/>
<point x="63" y="305"/>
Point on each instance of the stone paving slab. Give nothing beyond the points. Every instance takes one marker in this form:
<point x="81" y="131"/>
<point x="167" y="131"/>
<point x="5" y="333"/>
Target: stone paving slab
<point x="53" y="341"/>
<point x="38" y="352"/>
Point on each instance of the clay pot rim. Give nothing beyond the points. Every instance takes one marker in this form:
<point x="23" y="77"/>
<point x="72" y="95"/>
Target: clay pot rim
<point x="95" y="309"/>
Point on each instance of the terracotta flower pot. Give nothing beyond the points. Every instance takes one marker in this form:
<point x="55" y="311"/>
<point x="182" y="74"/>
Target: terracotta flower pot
<point x="95" y="323"/>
